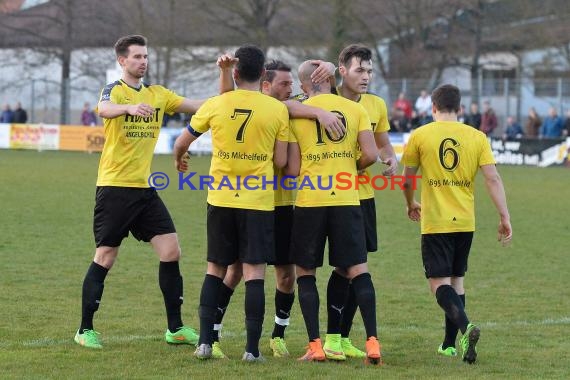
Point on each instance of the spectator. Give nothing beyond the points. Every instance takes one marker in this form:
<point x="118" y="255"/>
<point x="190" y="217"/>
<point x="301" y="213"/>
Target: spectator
<point x="20" y="114"/>
<point x="514" y="130"/>
<point x="552" y="125"/>
<point x="88" y="115"/>
<point x="404" y="105"/>
<point x="399" y="122"/>
<point x="7" y="115"/>
<point x="423" y="104"/>
<point x="533" y="123"/>
<point x="474" y="117"/>
<point x="488" y="119"/>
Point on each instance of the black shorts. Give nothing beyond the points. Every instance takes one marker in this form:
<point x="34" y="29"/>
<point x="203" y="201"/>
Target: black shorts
<point x="240" y="234"/>
<point x="283" y="226"/>
<point x="368" y="207"/>
<point x="119" y="210"/>
<point x="343" y="227"/>
<point x="445" y="255"/>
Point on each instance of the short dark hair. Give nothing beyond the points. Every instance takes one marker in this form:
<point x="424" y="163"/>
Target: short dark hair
<point x="271" y="67"/>
<point x="250" y="64"/>
<point x="355" y="50"/>
<point x="446" y="98"/>
<point x="123" y="44"/>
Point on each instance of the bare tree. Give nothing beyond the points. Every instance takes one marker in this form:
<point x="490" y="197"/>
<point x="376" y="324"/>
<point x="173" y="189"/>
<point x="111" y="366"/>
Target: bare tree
<point x="56" y="29"/>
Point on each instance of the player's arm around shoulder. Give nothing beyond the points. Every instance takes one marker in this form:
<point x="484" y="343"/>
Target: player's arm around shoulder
<point x="329" y="120"/>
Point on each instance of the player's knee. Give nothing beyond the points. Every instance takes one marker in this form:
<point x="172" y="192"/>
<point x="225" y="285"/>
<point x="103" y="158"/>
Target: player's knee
<point x="233" y="276"/>
<point x="285" y="279"/>
<point x="105" y="256"/>
<point x="356" y="270"/>
<point x="286" y="284"/>
<point x="171" y="253"/>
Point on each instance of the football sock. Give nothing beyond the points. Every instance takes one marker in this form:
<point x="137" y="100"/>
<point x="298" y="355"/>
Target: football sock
<point x="450" y="329"/>
<point x="348" y="313"/>
<point x="171" y="286"/>
<point x="309" y="302"/>
<point x="224" y="296"/>
<point x="91" y="294"/>
<point x="283" y="305"/>
<point x="207" y="309"/>
<point x="450" y="302"/>
<point x="366" y="299"/>
<point x="254" y="313"/>
<point x="337" y="293"/>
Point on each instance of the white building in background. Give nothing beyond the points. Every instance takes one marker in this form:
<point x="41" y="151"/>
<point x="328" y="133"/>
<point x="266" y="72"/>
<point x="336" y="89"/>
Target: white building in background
<point x="26" y="76"/>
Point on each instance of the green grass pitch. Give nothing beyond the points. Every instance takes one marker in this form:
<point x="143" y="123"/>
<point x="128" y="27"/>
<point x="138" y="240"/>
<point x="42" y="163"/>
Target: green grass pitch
<point x="520" y="296"/>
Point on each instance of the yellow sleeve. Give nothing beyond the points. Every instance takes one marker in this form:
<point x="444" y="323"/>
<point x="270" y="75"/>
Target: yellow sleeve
<point x="173" y="101"/>
<point x="486" y="157"/>
<point x="200" y="122"/>
<point x="292" y="137"/>
<point x="283" y="133"/>
<point x="382" y="124"/>
<point x="364" y="121"/>
<point x="411" y="155"/>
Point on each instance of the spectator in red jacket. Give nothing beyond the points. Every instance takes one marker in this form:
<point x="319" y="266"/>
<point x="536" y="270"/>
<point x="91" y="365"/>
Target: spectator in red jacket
<point x="403" y="105"/>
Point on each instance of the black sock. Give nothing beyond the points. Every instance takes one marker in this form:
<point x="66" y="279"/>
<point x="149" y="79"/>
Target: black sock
<point x="207" y="309"/>
<point x="224" y="296"/>
<point x="283" y="305"/>
<point x="254" y="313"/>
<point x="337" y="294"/>
<point x="171" y="286"/>
<point x="91" y="294"/>
<point x="309" y="302"/>
<point x="366" y="299"/>
<point x="450" y="302"/>
<point x="450" y="329"/>
<point x="348" y="313"/>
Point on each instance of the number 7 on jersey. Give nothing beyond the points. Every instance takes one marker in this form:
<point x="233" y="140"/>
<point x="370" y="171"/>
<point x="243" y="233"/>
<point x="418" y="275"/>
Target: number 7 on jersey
<point x="246" y="114"/>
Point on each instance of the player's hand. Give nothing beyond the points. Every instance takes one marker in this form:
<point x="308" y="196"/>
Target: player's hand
<point x="414" y="211"/>
<point x="392" y="168"/>
<point x="332" y="123"/>
<point x="505" y="232"/>
<point x="226" y="61"/>
<point x="141" y="109"/>
<point x="181" y="163"/>
<point x="323" y="72"/>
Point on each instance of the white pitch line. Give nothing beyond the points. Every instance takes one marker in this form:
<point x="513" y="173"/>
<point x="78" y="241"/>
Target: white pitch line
<point x="46" y="342"/>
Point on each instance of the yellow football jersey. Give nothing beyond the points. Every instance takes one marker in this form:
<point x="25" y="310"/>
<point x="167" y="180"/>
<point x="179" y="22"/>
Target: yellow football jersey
<point x="448" y="154"/>
<point x="323" y="158"/>
<point x="130" y="140"/>
<point x="245" y="125"/>
<point x="378" y="114"/>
